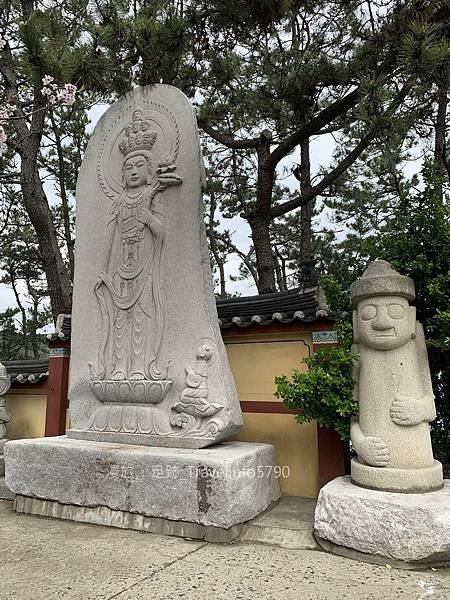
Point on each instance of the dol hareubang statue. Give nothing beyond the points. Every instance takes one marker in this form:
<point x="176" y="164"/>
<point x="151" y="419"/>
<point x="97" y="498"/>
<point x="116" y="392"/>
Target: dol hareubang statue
<point x="129" y="289"/>
<point x="392" y="386"/>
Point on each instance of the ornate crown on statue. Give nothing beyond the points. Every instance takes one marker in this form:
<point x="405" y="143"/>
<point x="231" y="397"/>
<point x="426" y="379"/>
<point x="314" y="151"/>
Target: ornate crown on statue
<point x="138" y="136"/>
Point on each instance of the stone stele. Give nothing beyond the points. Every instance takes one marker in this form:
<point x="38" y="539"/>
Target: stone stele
<point x="392" y="386"/>
<point x="148" y="366"/>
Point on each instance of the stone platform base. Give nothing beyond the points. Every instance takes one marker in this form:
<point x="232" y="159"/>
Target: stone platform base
<point x="131" y="486"/>
<point x="408" y="481"/>
<point x="405" y="530"/>
<point x="102" y="515"/>
<point x="5" y="492"/>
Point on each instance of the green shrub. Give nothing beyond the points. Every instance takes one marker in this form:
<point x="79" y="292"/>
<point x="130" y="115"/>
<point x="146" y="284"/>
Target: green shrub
<point x="325" y="392"/>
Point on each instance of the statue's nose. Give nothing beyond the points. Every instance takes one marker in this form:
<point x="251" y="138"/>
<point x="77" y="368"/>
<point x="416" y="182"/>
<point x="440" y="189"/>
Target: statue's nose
<point x="382" y="321"/>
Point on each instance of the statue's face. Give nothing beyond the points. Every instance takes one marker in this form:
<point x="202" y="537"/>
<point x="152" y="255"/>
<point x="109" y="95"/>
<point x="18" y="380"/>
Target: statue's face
<point x="135" y="171"/>
<point x="385" y="322"/>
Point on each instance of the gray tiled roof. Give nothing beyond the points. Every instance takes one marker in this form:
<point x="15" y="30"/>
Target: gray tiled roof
<point x="262" y="310"/>
<point x="282" y="307"/>
<point x="33" y="370"/>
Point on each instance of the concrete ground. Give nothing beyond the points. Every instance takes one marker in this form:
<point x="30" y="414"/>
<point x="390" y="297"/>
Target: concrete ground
<point x="46" y="559"/>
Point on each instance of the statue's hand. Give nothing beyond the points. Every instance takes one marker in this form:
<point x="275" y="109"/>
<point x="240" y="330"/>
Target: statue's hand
<point x="407" y="410"/>
<point x="373" y="451"/>
<point x="98" y="283"/>
<point x="145" y="216"/>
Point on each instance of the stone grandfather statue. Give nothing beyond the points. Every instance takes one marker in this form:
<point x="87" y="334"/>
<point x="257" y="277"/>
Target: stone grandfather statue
<point x="392" y="386"/>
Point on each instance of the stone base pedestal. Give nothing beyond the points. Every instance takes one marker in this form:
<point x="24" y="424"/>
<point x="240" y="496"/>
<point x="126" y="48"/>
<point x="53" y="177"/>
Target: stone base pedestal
<point x="5" y="492"/>
<point x="405" y="530"/>
<point x="141" y="487"/>
<point x="397" y="480"/>
<point x="2" y="458"/>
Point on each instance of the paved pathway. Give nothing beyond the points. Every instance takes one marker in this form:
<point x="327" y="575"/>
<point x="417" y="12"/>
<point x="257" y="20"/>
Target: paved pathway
<point x="45" y="559"/>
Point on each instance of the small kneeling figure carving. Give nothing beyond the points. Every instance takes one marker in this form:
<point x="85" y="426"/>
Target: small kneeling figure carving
<point x="392" y="386"/>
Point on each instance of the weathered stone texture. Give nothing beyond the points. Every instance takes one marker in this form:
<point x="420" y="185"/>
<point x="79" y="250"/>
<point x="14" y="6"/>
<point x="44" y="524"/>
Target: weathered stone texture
<point x="391" y="434"/>
<point x="403" y="527"/>
<point x="222" y="486"/>
<point x="148" y="365"/>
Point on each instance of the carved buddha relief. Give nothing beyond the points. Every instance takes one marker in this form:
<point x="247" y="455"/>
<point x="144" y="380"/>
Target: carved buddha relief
<point x="149" y="366"/>
<point x="128" y="288"/>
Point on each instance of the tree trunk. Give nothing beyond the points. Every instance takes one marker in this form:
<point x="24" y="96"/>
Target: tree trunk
<point x="440" y="133"/>
<point x="260" y="219"/>
<point x="307" y="210"/>
<point x="279" y="272"/>
<point x="213" y="245"/>
<point x="25" y="340"/>
<point x="36" y="204"/>
<point x="64" y="198"/>
<point x="263" y="254"/>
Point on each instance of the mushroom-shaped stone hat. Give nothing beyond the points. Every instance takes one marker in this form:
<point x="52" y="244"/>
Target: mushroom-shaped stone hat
<point x="381" y="279"/>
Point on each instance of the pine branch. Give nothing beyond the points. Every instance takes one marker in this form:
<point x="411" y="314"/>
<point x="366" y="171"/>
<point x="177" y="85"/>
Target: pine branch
<point x="225" y="139"/>
<point x="332" y="176"/>
<point x="325" y="117"/>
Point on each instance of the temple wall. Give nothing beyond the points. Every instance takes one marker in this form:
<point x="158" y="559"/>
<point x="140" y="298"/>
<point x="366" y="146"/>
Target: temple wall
<point x="255" y="360"/>
<point x="257" y="356"/>
<point x="27" y="407"/>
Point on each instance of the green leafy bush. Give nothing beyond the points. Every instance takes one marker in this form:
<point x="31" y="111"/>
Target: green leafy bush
<point x="325" y="392"/>
<point x="416" y="240"/>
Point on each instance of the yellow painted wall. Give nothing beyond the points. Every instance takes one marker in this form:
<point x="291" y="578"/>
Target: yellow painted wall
<point x="255" y="360"/>
<point x="27" y="408"/>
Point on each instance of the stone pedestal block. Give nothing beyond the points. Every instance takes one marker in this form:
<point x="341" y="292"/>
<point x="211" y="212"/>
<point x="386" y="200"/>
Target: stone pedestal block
<point x="2" y="459"/>
<point x="425" y="479"/>
<point x="402" y="529"/>
<point x="5" y="492"/>
<point x="221" y="486"/>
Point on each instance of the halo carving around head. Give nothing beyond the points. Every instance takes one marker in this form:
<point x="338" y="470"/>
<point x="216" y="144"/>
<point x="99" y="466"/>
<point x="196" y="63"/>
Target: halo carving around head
<point x="152" y="127"/>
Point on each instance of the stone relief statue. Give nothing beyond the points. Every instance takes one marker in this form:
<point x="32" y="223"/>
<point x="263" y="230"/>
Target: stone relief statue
<point x="129" y="285"/>
<point x="5" y="417"/>
<point x="392" y="385"/>
<point x="148" y="363"/>
<point x="194" y="406"/>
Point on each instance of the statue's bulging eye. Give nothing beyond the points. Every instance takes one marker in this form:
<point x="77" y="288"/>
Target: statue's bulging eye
<point x="368" y="312"/>
<point x="396" y="311"/>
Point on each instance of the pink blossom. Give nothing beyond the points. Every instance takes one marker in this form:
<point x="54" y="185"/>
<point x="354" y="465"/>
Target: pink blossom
<point x="2" y="43"/>
<point x="3" y="136"/>
<point x="68" y="94"/>
<point x="47" y="80"/>
<point x="7" y="111"/>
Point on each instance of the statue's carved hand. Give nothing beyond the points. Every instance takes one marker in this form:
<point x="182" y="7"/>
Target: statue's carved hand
<point x="430" y="408"/>
<point x="373" y="451"/>
<point x="98" y="282"/>
<point x="407" y="410"/>
<point x="145" y="216"/>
